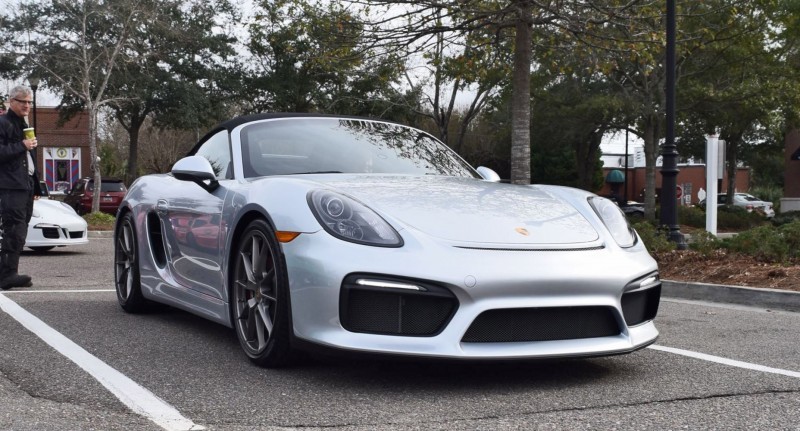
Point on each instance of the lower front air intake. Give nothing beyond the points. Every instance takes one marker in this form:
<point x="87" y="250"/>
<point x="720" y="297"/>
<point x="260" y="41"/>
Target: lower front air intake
<point x="542" y="324"/>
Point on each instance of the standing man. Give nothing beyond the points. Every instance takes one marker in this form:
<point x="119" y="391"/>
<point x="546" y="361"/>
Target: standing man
<point x="19" y="185"/>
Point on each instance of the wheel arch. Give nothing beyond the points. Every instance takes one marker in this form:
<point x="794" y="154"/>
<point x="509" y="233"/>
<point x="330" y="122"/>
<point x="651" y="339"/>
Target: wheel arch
<point x="123" y="210"/>
<point x="246" y="216"/>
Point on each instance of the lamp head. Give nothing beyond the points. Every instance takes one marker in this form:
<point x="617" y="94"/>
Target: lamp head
<point x="34" y="82"/>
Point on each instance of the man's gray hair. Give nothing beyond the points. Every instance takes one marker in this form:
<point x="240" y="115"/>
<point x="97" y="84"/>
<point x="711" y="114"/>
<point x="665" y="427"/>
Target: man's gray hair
<point x="20" y="91"/>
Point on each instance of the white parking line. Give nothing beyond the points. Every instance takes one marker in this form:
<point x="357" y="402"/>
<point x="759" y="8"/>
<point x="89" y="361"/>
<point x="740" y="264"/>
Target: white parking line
<point x="726" y="361"/>
<point x="137" y="398"/>
<point x="59" y="291"/>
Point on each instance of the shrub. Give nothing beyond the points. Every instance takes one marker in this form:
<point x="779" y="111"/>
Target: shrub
<point x="768" y="193"/>
<point x="731" y="217"/>
<point x="654" y="239"/>
<point x="790" y="234"/>
<point x="99" y="221"/>
<point x="764" y="243"/>
<point x="704" y="242"/>
<point x="692" y="216"/>
<point x="784" y="218"/>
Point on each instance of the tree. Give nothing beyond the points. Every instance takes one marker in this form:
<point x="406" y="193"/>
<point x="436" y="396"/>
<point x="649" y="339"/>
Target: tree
<point x="475" y="65"/>
<point x="176" y="71"/>
<point x="575" y="113"/>
<point x="416" y="23"/>
<point x="734" y="84"/>
<point x="631" y="53"/>
<point x="77" y="46"/>
<point x="309" y="56"/>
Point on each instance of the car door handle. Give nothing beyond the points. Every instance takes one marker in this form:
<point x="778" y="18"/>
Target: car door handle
<point x="162" y="206"/>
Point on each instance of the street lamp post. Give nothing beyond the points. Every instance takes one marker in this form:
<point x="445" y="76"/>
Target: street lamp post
<point x="669" y="153"/>
<point x="34" y="81"/>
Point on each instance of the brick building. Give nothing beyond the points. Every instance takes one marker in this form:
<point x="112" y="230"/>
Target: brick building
<point x="63" y="154"/>
<point x="691" y="178"/>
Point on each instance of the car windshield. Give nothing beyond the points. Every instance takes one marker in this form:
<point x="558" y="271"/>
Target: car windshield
<point x="331" y="145"/>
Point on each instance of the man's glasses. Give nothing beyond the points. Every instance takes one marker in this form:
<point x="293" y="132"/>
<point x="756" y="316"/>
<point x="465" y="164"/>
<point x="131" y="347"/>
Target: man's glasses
<point x="24" y="102"/>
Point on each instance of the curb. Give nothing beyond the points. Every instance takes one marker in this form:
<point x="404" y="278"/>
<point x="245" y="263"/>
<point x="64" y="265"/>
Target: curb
<point x="101" y="233"/>
<point x="774" y="299"/>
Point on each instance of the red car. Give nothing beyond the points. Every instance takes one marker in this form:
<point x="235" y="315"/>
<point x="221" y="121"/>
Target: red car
<point x="112" y="191"/>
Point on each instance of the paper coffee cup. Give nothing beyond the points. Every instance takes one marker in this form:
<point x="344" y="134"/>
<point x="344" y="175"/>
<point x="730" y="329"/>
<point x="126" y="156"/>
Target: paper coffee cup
<point x="28" y="133"/>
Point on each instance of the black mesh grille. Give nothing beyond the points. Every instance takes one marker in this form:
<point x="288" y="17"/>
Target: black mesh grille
<point x="76" y="234"/>
<point x="50" y="232"/>
<point x="542" y="324"/>
<point x="641" y="306"/>
<point x="396" y="312"/>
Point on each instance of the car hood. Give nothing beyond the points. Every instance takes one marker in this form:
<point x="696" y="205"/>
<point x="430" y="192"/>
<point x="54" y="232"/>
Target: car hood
<point x="468" y="210"/>
<point x="53" y="208"/>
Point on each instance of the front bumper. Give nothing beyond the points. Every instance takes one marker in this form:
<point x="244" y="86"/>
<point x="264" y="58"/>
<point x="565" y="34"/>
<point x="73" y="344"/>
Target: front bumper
<point x="43" y="234"/>
<point x="480" y="280"/>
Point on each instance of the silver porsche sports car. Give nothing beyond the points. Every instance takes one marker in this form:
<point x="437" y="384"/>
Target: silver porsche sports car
<point x="367" y="236"/>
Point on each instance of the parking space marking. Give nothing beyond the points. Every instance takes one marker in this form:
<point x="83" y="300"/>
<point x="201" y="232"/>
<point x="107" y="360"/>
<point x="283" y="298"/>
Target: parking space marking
<point x="726" y="361"/>
<point x="137" y="398"/>
<point x="60" y="291"/>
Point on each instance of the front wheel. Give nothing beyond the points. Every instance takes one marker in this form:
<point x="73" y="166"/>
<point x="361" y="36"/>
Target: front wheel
<point x="126" y="267"/>
<point x="260" y="297"/>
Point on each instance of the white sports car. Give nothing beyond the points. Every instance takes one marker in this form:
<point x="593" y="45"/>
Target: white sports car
<point x="55" y="224"/>
<point x="360" y="235"/>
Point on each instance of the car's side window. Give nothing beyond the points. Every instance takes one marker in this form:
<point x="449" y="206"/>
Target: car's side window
<point x="217" y="150"/>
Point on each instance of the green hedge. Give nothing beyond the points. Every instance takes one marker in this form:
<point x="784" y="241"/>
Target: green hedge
<point x="767" y="243"/>
<point x="653" y="238"/>
<point x="728" y="218"/>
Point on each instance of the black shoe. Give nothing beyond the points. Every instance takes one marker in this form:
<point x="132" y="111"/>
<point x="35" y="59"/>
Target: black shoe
<point x="16" y="280"/>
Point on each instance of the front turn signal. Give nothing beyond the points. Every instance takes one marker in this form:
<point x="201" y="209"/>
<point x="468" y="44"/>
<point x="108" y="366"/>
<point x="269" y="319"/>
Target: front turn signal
<point x="284" y="236"/>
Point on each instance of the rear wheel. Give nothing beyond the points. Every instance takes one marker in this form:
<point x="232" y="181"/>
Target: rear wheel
<point x="126" y="267"/>
<point x="260" y="299"/>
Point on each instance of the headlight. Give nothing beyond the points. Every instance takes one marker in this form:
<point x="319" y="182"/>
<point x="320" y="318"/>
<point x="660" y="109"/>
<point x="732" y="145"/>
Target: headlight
<point x="615" y="221"/>
<point x="350" y="220"/>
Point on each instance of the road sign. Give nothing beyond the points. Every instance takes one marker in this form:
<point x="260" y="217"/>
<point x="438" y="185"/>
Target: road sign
<point x="678" y="192"/>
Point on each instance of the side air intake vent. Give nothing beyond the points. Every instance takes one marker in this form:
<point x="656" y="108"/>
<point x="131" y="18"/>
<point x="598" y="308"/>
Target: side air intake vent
<point x="379" y="304"/>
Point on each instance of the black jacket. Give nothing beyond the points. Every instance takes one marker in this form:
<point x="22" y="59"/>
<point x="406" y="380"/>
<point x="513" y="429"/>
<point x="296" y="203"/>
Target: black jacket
<point x="13" y="162"/>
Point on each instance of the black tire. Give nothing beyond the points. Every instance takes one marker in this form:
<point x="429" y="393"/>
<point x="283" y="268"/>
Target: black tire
<point x="126" y="267"/>
<point x="260" y="297"/>
<point x="42" y="249"/>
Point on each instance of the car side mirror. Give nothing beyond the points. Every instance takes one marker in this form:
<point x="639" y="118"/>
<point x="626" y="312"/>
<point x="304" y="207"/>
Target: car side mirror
<point x="196" y="169"/>
<point x="488" y="174"/>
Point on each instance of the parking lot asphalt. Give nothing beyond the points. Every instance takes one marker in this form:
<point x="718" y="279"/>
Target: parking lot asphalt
<point x="774" y="299"/>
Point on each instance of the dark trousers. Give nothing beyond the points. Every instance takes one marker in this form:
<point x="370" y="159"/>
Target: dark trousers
<point x="16" y="208"/>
